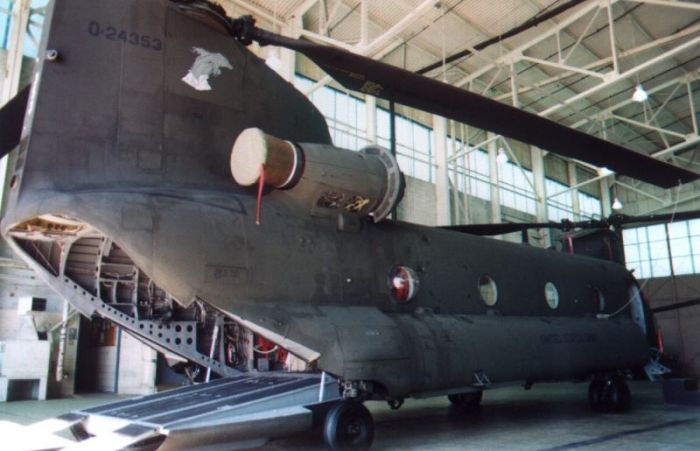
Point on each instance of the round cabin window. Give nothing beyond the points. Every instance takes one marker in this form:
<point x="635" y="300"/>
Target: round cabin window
<point x="551" y="295"/>
<point x="403" y="282"/>
<point x="488" y="290"/>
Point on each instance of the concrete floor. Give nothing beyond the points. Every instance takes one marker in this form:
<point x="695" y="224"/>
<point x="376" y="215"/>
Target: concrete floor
<point x="550" y="416"/>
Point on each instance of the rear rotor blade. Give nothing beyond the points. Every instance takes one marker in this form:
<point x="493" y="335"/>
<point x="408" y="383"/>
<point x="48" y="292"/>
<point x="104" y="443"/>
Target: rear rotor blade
<point x="614" y="220"/>
<point x="395" y="84"/>
<point x="661" y="218"/>
<point x="12" y="121"/>
<point x="500" y="229"/>
<point x="494" y="229"/>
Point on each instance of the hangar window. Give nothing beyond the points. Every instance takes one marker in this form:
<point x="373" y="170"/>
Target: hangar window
<point x="551" y="295"/>
<point x="344" y="113"/>
<point x="488" y="290"/>
<point x="516" y="187"/>
<point x="560" y="203"/>
<point x="32" y="33"/>
<point x="663" y="250"/>
<point x="413" y="144"/>
<point x="346" y="117"/>
<point x="647" y="251"/>
<point x="403" y="282"/>
<point x="5" y="18"/>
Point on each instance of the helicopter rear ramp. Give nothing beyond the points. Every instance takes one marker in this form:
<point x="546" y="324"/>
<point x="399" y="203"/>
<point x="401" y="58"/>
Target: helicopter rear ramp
<point x="227" y="413"/>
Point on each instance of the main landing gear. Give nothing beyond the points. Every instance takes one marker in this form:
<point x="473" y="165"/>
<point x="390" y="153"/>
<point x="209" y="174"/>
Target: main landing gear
<point x="610" y="394"/>
<point x="348" y="425"/>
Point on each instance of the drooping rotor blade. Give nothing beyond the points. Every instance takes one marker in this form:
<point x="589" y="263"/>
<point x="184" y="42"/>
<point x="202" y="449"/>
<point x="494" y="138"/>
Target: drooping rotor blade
<point x="615" y="220"/>
<point x="395" y="84"/>
<point x="502" y="228"/>
<point x="661" y="218"/>
<point x="496" y="229"/>
<point x="12" y="121"/>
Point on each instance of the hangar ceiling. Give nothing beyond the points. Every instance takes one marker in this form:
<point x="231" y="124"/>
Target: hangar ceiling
<point x="579" y="63"/>
<point x="575" y="61"/>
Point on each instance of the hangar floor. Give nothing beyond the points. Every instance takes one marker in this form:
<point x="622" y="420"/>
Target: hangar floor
<point x="550" y="416"/>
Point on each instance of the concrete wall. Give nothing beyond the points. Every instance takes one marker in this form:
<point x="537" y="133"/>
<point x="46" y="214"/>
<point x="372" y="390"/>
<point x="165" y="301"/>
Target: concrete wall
<point x="418" y="204"/>
<point x="137" y="367"/>
<point x="681" y="327"/>
<point x="635" y="203"/>
<point x="418" y="207"/>
<point x="17" y="281"/>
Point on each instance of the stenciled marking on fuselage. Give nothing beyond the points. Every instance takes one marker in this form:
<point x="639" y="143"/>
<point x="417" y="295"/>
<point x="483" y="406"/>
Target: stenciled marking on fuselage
<point x="556" y="339"/>
<point x="97" y="30"/>
<point x="225" y="274"/>
<point x="206" y="65"/>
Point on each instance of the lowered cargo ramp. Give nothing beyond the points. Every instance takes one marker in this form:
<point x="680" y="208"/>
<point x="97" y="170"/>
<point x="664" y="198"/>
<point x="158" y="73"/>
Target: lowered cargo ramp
<point x="227" y="413"/>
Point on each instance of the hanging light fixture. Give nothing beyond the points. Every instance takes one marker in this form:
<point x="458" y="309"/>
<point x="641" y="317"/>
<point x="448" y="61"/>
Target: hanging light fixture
<point x="604" y="172"/>
<point x="616" y="205"/>
<point x="502" y="157"/>
<point x="640" y="95"/>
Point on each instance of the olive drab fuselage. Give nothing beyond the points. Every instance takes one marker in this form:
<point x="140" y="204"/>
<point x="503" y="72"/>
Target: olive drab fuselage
<point x="130" y="131"/>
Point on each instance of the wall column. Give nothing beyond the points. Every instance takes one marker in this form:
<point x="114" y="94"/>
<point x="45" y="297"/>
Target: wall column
<point x="442" y="187"/>
<point x="493" y="178"/>
<point x="371" y="119"/>
<point x="573" y="181"/>
<point x="537" y="156"/>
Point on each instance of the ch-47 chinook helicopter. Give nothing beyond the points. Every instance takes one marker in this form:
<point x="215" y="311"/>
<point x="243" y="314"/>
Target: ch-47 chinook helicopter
<point x="165" y="176"/>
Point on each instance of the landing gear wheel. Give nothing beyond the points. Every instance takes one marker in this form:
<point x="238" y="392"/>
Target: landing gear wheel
<point x="395" y="404"/>
<point x="348" y="425"/>
<point x="466" y="400"/>
<point x="608" y="395"/>
<point x="596" y="395"/>
<point x="620" y="396"/>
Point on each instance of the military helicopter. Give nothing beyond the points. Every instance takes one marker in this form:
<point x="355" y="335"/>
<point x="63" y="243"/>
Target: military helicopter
<point x="164" y="174"/>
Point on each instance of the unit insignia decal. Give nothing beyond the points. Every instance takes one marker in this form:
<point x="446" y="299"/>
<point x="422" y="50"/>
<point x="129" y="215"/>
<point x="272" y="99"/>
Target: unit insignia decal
<point x="206" y="65"/>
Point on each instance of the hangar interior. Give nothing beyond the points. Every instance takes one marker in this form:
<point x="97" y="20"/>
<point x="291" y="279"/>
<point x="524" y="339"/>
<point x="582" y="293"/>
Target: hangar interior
<point x="627" y="71"/>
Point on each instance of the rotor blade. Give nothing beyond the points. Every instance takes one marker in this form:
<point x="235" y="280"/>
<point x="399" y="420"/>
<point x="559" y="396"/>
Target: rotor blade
<point x="395" y="84"/>
<point x="615" y="220"/>
<point x="12" y="120"/>
<point x="495" y="229"/>
<point x="661" y="218"/>
<point x="510" y="227"/>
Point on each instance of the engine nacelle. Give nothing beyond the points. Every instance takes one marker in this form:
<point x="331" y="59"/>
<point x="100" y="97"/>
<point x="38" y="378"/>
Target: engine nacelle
<point x="325" y="178"/>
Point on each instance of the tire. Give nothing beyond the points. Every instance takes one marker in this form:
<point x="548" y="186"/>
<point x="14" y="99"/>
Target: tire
<point x="611" y="395"/>
<point x="596" y="396"/>
<point x="620" y="396"/>
<point x="466" y="400"/>
<point x="348" y="425"/>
